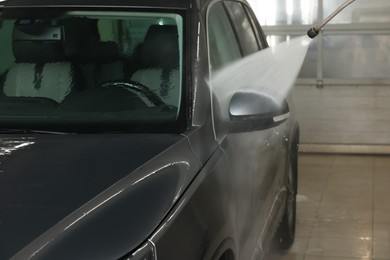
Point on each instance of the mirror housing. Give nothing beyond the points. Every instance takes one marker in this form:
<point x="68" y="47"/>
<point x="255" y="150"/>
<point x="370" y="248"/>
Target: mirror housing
<point x="251" y="111"/>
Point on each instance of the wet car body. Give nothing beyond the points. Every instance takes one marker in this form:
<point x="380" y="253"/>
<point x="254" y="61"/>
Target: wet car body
<point x="210" y="188"/>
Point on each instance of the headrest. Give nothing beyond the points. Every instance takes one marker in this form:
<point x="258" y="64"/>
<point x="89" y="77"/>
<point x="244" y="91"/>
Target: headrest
<point x="102" y="52"/>
<point x="37" y="42"/>
<point x="82" y="41"/>
<point x="161" y="46"/>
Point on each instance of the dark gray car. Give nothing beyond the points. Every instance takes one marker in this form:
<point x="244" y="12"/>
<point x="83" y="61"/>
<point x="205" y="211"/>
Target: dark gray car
<point x="114" y="144"/>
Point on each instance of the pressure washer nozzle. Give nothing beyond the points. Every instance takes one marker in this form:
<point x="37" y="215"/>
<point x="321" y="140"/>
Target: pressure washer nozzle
<point x="313" y="32"/>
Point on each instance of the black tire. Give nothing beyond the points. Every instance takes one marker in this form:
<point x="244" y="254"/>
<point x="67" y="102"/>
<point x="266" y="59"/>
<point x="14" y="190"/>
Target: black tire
<point x="285" y="234"/>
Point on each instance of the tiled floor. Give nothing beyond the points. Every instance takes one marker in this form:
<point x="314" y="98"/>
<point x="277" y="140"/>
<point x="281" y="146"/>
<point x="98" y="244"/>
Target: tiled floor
<point x="343" y="208"/>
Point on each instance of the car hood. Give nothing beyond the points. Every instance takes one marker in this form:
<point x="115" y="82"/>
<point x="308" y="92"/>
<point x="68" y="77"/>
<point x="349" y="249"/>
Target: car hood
<point x="87" y="196"/>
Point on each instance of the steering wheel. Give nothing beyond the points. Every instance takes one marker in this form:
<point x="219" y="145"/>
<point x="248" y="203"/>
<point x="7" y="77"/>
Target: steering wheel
<point x="138" y="87"/>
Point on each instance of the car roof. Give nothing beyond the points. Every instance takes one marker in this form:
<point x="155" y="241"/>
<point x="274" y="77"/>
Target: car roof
<point x="182" y="4"/>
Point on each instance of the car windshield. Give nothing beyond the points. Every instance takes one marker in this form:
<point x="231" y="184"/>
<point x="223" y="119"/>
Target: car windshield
<point x="92" y="71"/>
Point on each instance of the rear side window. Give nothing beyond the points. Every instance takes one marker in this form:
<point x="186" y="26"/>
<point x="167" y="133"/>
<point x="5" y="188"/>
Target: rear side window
<point x="223" y="45"/>
<point x="244" y="27"/>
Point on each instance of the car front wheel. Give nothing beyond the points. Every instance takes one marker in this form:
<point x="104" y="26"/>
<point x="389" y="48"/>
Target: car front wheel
<point x="286" y="232"/>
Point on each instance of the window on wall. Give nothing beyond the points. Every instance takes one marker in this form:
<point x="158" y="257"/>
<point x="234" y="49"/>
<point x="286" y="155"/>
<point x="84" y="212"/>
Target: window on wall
<point x="354" y="48"/>
<point x="282" y="12"/>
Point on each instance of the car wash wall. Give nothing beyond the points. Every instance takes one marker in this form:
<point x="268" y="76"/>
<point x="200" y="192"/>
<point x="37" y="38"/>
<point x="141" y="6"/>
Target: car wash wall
<point x="342" y="94"/>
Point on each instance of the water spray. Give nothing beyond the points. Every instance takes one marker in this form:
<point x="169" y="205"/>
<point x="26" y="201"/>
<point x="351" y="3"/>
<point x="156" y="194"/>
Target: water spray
<point x="266" y="71"/>
<point x="313" y="32"/>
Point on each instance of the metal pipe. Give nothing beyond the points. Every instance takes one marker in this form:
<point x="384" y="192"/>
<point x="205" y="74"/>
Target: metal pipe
<point x="313" y="32"/>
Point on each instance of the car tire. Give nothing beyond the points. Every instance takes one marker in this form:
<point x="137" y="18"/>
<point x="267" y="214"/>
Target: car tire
<point x="285" y="234"/>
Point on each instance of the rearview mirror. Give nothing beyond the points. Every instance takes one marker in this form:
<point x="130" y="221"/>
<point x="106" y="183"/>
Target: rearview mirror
<point x="250" y="111"/>
<point x="28" y="30"/>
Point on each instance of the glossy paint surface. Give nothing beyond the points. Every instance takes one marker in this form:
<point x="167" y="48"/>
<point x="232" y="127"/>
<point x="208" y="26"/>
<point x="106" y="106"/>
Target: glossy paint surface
<point x="200" y="195"/>
<point x="41" y="185"/>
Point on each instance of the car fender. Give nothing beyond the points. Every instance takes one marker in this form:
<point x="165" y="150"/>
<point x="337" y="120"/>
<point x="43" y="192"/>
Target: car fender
<point x="204" y="217"/>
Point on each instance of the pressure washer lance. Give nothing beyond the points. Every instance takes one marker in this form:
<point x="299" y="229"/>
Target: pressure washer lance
<point x="313" y="32"/>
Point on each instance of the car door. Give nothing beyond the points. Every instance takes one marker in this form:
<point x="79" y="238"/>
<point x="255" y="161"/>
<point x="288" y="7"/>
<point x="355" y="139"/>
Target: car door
<point x="257" y="158"/>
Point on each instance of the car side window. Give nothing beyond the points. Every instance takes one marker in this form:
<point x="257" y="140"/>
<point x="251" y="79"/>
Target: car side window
<point x="244" y="27"/>
<point x="256" y="28"/>
<point x="223" y="45"/>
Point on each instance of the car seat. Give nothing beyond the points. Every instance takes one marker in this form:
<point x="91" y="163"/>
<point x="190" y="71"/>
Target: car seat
<point x="40" y="68"/>
<point x="159" y="63"/>
<point x="100" y="61"/>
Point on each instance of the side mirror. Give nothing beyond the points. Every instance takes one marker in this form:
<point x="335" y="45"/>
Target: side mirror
<point x="251" y="111"/>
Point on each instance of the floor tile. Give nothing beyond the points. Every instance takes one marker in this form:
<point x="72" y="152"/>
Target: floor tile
<point x="320" y="160"/>
<point x="339" y="247"/>
<point x="334" y="258"/>
<point x="311" y="192"/>
<point x="354" y="160"/>
<point x="303" y="229"/>
<point x="344" y="215"/>
<point x="381" y="176"/>
<point x="381" y="216"/>
<point x="382" y="232"/>
<point x="381" y="249"/>
<point x="296" y="252"/>
<point x="382" y="171"/>
<point x="286" y="257"/>
<point x="343" y="209"/>
<point x="343" y="230"/>
<point x="350" y="200"/>
<point x="352" y="171"/>
<point x="382" y="161"/>
<point x="382" y="203"/>
<point x="299" y="246"/>
<point x="305" y="212"/>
